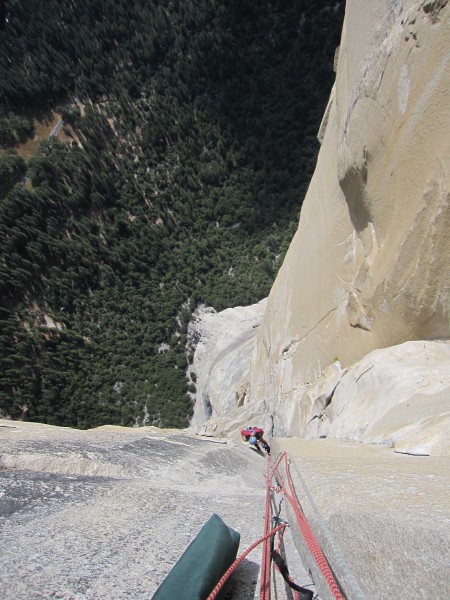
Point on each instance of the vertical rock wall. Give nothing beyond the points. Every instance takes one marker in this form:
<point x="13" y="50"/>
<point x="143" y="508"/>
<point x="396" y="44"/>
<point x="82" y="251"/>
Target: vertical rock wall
<point x="369" y="265"/>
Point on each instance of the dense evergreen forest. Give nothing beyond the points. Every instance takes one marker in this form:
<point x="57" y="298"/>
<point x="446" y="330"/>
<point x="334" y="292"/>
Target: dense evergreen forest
<point x="193" y="139"/>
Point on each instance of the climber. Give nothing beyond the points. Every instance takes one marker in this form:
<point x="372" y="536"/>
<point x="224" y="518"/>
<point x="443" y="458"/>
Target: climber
<point x="253" y="436"/>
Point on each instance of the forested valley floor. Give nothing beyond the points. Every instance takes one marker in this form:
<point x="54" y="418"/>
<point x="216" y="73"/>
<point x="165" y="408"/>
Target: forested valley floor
<point x="190" y="139"/>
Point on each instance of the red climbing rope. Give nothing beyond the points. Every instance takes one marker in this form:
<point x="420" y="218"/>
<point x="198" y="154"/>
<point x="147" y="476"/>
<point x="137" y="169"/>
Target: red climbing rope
<point x="227" y="574"/>
<point x="305" y="528"/>
<point x="265" y="562"/>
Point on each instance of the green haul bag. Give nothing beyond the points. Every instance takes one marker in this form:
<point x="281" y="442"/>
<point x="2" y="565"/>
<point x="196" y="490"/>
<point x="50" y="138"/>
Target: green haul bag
<point x="202" y="564"/>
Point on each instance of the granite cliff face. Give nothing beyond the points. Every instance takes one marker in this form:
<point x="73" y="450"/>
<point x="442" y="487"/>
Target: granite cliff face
<point x="368" y="267"/>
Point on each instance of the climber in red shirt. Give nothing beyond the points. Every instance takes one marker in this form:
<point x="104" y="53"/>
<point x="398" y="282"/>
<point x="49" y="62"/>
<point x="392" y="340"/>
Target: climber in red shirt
<point x="254" y="436"/>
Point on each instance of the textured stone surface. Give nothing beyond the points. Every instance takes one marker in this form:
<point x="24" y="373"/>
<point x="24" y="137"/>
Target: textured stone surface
<point x="368" y="267"/>
<point x="397" y="396"/>
<point x="70" y="535"/>
<point x="380" y="517"/>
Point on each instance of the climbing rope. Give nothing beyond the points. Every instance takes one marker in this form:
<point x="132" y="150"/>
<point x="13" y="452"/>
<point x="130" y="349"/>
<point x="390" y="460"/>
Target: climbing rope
<point x="305" y="528"/>
<point x="265" y="562"/>
<point x="268" y="553"/>
<point x="227" y="574"/>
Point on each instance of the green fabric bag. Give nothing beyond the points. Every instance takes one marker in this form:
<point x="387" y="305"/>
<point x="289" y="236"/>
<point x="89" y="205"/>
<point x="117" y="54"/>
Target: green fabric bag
<point x="202" y="564"/>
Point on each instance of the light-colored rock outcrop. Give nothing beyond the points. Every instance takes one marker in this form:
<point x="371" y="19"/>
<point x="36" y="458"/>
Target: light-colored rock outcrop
<point x="398" y="396"/>
<point x="369" y="265"/>
<point x="223" y="344"/>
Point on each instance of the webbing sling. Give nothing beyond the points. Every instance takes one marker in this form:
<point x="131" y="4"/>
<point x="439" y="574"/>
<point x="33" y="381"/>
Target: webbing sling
<point x="304" y="594"/>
